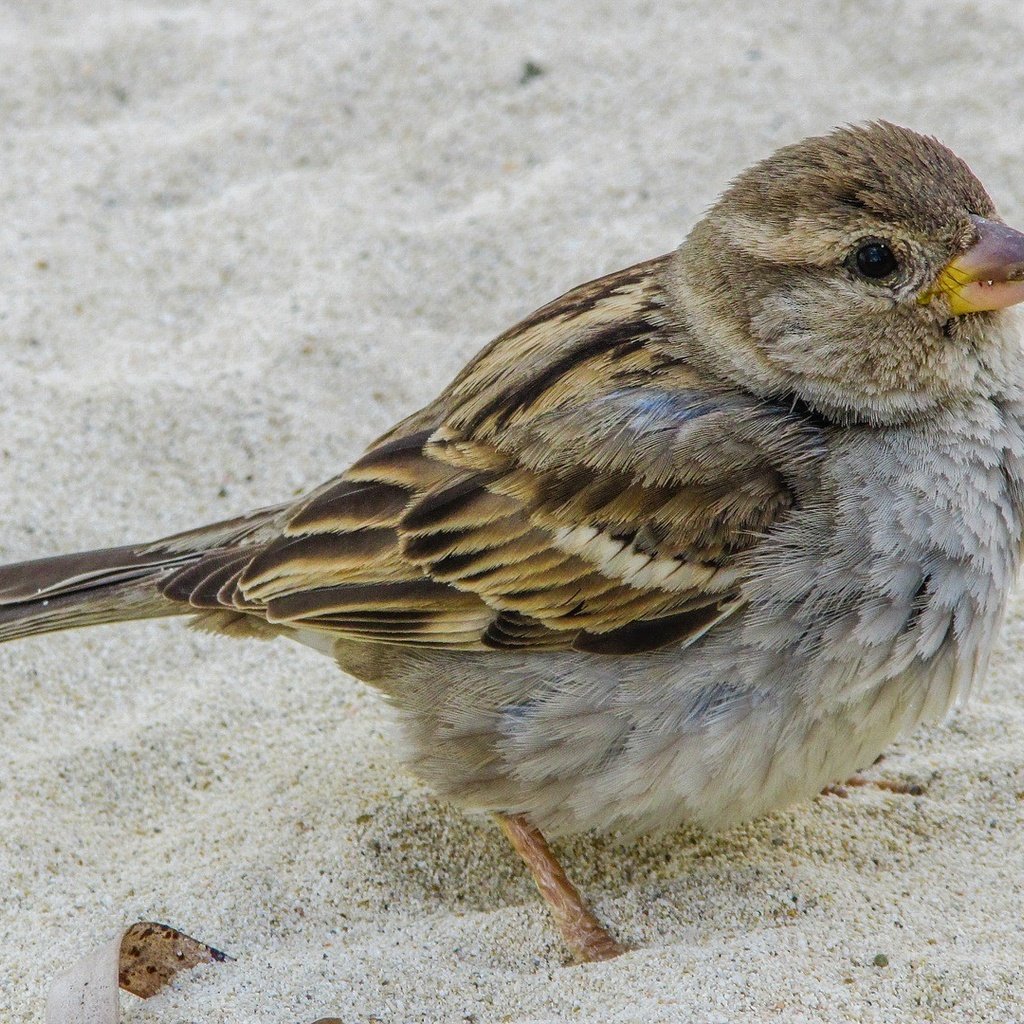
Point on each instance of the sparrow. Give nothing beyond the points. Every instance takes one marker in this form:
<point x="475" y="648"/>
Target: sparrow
<point x="687" y="544"/>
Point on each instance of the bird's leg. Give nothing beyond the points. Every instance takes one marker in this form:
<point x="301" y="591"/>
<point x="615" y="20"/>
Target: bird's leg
<point x="586" y="937"/>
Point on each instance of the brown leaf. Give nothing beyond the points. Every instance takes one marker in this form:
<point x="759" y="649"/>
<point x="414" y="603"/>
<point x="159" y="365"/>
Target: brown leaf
<point x="142" y="960"/>
<point x="152" y="954"/>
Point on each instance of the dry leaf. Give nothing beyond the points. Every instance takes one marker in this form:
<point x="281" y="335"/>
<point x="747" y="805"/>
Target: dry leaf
<point x="141" y="961"/>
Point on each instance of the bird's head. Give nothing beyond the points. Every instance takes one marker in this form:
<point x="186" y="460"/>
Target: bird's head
<point x="865" y="273"/>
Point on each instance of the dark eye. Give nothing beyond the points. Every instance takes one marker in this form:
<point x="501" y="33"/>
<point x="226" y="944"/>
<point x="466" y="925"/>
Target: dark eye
<point x="875" y="260"/>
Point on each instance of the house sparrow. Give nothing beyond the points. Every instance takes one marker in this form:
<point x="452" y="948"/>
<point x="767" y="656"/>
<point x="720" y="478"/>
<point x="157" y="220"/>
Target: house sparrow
<point x="687" y="544"/>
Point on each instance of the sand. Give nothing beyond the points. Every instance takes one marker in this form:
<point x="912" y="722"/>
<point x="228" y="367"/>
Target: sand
<point x="240" y="240"/>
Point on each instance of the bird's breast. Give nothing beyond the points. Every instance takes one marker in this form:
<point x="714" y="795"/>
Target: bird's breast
<point x="871" y="607"/>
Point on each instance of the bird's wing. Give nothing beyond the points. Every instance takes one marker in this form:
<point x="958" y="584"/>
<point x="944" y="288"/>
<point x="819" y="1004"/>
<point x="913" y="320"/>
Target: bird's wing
<point x="577" y="486"/>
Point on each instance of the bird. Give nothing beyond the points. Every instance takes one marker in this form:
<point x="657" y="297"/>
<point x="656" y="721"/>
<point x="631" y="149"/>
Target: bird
<point x="682" y="547"/>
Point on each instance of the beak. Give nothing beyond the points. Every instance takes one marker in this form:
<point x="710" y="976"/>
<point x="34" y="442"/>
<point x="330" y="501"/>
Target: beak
<point x="990" y="275"/>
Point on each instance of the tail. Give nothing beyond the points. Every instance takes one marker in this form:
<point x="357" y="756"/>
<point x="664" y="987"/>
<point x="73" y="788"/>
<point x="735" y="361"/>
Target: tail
<point x="84" y="589"/>
<point x="113" y="584"/>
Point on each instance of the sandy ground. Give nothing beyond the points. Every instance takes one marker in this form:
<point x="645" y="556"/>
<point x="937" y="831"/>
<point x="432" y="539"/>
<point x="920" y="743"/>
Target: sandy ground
<point x="238" y="241"/>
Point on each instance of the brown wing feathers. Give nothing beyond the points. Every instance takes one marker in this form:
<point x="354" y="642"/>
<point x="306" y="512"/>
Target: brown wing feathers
<point x="516" y="518"/>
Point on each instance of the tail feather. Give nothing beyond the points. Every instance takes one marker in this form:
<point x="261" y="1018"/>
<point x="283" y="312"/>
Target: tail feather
<point x="86" y="589"/>
<point x="89" y="588"/>
<point x="84" y="570"/>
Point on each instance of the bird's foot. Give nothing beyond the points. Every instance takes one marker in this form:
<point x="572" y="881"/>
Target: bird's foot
<point x="859" y="781"/>
<point x="588" y="940"/>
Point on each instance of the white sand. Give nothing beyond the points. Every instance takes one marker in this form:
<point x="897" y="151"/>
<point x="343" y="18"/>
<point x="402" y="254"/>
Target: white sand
<point x="238" y="241"/>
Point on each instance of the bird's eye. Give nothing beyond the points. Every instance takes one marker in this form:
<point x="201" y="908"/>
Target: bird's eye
<point x="875" y="260"/>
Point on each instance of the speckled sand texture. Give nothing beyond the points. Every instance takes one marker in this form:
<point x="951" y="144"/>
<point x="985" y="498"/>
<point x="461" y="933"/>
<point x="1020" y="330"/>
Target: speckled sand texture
<point x="238" y="241"/>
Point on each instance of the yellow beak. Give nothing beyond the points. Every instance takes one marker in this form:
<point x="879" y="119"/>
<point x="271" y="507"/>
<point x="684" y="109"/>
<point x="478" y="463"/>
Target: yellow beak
<point x="990" y="275"/>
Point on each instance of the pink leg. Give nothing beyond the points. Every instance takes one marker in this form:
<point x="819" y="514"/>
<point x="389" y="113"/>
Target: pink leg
<point x="586" y="937"/>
